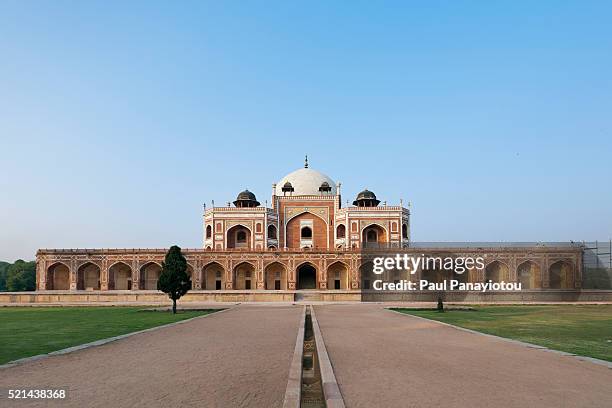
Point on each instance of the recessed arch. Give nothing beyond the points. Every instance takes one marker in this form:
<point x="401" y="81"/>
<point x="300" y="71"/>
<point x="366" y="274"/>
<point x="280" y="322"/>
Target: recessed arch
<point x="374" y="235"/>
<point x="404" y="231"/>
<point x="560" y="274"/>
<point x="496" y="271"/>
<point x="213" y="276"/>
<point x="88" y="276"/>
<point x="239" y="237"/>
<point x="341" y="231"/>
<point x="149" y="274"/>
<point x="244" y="276"/>
<point x="307" y="229"/>
<point x="272" y="233"/>
<point x="275" y="276"/>
<point x="528" y="274"/>
<point x="306" y="276"/>
<point x="208" y="231"/>
<point x="337" y="276"/>
<point x="58" y="276"/>
<point x="367" y="276"/>
<point x="120" y="276"/>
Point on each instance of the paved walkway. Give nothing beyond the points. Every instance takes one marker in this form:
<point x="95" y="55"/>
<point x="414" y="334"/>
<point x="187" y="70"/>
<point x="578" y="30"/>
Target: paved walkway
<point x="241" y="358"/>
<point x="237" y="358"/>
<point x="384" y="359"/>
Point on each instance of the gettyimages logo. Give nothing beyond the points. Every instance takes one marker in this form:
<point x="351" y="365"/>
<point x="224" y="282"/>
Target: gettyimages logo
<point x="448" y="273"/>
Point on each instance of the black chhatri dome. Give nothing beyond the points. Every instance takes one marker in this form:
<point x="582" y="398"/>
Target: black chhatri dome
<point x="246" y="199"/>
<point x="366" y="199"/>
<point x="325" y="187"/>
<point x="287" y="188"/>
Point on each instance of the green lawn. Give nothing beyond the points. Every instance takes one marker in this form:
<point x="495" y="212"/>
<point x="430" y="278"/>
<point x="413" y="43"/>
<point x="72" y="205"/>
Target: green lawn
<point x="582" y="330"/>
<point x="28" y="331"/>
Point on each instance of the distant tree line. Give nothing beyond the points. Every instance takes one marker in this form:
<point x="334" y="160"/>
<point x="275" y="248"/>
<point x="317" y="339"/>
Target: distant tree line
<point x="18" y="276"/>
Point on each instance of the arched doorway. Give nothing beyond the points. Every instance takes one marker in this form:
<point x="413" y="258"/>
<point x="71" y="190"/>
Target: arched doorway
<point x="306" y="230"/>
<point x="88" y="277"/>
<point x="276" y="276"/>
<point x="149" y="274"/>
<point x="496" y="271"/>
<point x="373" y="236"/>
<point x="58" y="277"/>
<point x="367" y="275"/>
<point x="560" y="275"/>
<point x="213" y="277"/>
<point x="306" y="276"/>
<point x="239" y="237"/>
<point x="528" y="275"/>
<point x="337" y="276"/>
<point x="244" y="276"/>
<point x="120" y="277"/>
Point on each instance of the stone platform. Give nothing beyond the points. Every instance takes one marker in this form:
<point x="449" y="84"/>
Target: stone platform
<point x="242" y="296"/>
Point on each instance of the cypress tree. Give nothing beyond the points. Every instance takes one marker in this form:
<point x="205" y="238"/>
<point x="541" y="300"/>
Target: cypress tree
<point x="174" y="279"/>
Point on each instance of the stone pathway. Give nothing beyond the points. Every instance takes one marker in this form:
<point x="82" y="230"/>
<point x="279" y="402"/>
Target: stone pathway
<point x="385" y="359"/>
<point x="241" y="358"/>
<point x="237" y="358"/>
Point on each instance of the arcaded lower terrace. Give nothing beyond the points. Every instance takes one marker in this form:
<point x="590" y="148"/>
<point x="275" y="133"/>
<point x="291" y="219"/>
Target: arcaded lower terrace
<point x="274" y="270"/>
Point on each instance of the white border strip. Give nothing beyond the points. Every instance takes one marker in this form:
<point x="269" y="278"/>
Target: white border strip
<point x="100" y="342"/>
<point x="293" y="393"/>
<point x="331" y="390"/>
<point x="517" y="342"/>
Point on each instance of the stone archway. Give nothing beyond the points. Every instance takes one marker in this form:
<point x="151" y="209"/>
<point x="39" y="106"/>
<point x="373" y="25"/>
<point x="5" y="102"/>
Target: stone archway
<point x="58" y="277"/>
<point x="238" y="237"/>
<point x="560" y="275"/>
<point x="373" y="236"/>
<point x="244" y="276"/>
<point x="272" y="234"/>
<point x="120" y="276"/>
<point x="366" y="276"/>
<point x="306" y="276"/>
<point x="306" y="230"/>
<point x="528" y="275"/>
<point x="275" y="276"/>
<point x="88" y="277"/>
<point x="496" y="271"/>
<point x="341" y="231"/>
<point x="149" y="274"/>
<point x="213" y="276"/>
<point x="337" y="276"/>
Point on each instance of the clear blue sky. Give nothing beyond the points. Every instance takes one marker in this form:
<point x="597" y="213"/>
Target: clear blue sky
<point x="119" y="119"/>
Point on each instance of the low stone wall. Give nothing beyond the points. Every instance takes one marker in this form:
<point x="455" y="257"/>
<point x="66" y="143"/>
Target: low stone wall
<point x="143" y="296"/>
<point x="155" y="297"/>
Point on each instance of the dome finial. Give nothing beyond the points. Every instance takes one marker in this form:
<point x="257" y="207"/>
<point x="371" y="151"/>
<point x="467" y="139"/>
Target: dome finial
<point x="306" y="162"/>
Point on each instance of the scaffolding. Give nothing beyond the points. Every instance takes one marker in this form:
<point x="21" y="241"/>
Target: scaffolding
<point x="597" y="265"/>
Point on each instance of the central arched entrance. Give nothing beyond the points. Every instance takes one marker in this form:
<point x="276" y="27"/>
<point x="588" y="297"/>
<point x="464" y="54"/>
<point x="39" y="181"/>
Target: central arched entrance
<point x="306" y="277"/>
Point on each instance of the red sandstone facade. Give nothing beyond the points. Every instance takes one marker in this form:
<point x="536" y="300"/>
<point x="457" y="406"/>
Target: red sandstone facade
<point x="306" y="239"/>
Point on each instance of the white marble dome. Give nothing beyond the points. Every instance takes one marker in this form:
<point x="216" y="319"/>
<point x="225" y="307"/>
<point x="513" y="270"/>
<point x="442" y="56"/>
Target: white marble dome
<point x="305" y="181"/>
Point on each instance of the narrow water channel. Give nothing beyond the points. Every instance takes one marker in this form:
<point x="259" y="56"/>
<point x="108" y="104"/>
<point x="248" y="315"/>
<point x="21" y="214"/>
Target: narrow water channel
<point x="312" y="386"/>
